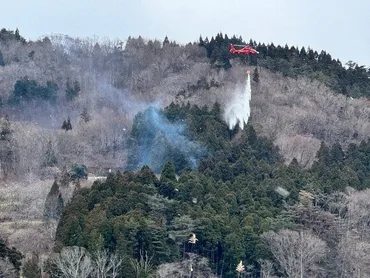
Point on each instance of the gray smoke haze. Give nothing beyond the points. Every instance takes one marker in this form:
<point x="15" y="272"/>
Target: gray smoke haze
<point x="155" y="141"/>
<point x="238" y="110"/>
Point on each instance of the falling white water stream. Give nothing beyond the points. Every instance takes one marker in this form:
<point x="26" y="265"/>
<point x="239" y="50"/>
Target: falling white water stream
<point x="238" y="111"/>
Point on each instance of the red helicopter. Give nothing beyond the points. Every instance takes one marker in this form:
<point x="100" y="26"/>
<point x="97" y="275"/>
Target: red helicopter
<point x="245" y="50"/>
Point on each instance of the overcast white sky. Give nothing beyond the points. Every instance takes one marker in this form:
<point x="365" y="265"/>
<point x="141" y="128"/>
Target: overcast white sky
<point x="336" y="26"/>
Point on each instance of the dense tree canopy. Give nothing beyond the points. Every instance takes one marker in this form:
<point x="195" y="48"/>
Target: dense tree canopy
<point x="235" y="195"/>
<point x="186" y="172"/>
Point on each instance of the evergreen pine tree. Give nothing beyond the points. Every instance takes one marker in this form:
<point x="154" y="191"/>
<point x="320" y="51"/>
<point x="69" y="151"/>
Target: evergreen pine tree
<point x="5" y="129"/>
<point x="303" y="53"/>
<point x="216" y="109"/>
<point x="256" y="75"/>
<point x="12" y="254"/>
<point x="78" y="171"/>
<point x="2" y="63"/>
<point x="31" y="268"/>
<point x="31" y="54"/>
<point x="201" y="42"/>
<point x="64" y="125"/>
<point x="146" y="176"/>
<point x="69" y="125"/>
<point x="323" y="155"/>
<point x="294" y="163"/>
<point x="16" y="35"/>
<point x="168" y="173"/>
<point x="76" y="87"/>
<point x="53" y="203"/>
<point x="337" y="155"/>
<point x="7" y="155"/>
<point x="252" y="135"/>
<point x="166" y="41"/>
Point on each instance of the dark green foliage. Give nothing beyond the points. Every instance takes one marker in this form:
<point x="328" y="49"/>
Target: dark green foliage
<point x="78" y="171"/>
<point x="352" y="81"/>
<point x="7" y="35"/>
<point x="168" y="173"/>
<point x="167" y="190"/>
<point x="31" y="54"/>
<point x="228" y="201"/>
<point x="129" y="221"/>
<point x="72" y="222"/>
<point x="10" y="253"/>
<point x="336" y="169"/>
<point x="7" y="150"/>
<point x="2" y="62"/>
<point x="166" y="41"/>
<point x="146" y="176"/>
<point x="256" y="76"/>
<point x="5" y="129"/>
<point x="218" y="51"/>
<point x="251" y="135"/>
<point x="16" y="35"/>
<point x="31" y="268"/>
<point x="156" y="139"/>
<point x="67" y="124"/>
<point x="53" y="203"/>
<point x="26" y="90"/>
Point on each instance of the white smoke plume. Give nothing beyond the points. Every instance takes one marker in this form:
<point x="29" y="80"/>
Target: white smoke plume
<point x="238" y="110"/>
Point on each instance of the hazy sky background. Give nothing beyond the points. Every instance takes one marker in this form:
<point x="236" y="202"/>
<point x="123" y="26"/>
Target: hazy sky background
<point x="336" y="26"/>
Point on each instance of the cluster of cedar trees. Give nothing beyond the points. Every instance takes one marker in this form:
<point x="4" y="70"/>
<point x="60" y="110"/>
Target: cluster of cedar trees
<point x="26" y="90"/>
<point x="228" y="201"/>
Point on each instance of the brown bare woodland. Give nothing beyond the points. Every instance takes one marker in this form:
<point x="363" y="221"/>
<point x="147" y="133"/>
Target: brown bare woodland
<point x="297" y="252"/>
<point x="117" y="80"/>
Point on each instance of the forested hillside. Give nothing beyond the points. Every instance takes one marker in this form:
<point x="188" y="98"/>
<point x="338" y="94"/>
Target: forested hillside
<point x="184" y="196"/>
<point x="237" y="197"/>
<point x="352" y="80"/>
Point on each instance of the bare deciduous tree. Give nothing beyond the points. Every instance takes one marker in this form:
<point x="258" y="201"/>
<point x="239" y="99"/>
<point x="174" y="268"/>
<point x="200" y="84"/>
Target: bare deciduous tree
<point x="73" y="262"/>
<point x="267" y="269"/>
<point x="194" y="266"/>
<point x="297" y="252"/>
<point x="358" y="213"/>
<point x="106" y="265"/>
<point x="354" y="257"/>
<point x="303" y="148"/>
<point x="142" y="265"/>
<point x="51" y="228"/>
<point x="353" y="248"/>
